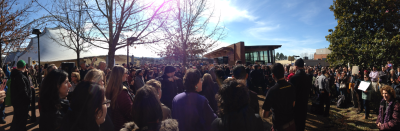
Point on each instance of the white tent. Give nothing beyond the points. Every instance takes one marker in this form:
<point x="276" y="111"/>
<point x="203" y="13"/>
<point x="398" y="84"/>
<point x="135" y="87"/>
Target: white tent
<point x="51" y="50"/>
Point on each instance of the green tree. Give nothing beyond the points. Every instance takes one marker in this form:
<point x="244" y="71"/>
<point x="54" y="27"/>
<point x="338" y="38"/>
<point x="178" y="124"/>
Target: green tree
<point x="367" y="32"/>
<point x="277" y="56"/>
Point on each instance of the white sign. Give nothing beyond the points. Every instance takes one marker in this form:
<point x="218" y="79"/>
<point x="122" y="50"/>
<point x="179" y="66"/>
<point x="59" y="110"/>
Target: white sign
<point x="364" y="85"/>
<point x="355" y="70"/>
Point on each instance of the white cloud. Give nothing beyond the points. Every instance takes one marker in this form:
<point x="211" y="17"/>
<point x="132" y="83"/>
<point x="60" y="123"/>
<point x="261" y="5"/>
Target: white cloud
<point x="256" y="31"/>
<point x="229" y="12"/>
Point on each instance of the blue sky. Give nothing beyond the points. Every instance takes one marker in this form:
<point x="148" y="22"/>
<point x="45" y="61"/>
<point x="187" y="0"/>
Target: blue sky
<point x="300" y="26"/>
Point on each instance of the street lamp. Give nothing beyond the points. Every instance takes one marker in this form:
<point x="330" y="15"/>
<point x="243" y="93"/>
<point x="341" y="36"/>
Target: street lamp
<point x="130" y="40"/>
<point x="38" y="32"/>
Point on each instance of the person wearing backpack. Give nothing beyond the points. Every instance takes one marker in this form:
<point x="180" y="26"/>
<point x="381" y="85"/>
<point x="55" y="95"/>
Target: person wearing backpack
<point x="366" y="96"/>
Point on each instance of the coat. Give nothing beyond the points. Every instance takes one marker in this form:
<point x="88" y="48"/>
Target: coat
<point x="192" y="112"/>
<point x="51" y="118"/>
<point x="391" y="119"/>
<point x="139" y="83"/>
<point x="169" y="90"/>
<point x="20" y="88"/>
<point x="122" y="112"/>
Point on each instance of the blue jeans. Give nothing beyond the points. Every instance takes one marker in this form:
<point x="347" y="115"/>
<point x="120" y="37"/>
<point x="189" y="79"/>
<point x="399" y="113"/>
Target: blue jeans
<point x="366" y="107"/>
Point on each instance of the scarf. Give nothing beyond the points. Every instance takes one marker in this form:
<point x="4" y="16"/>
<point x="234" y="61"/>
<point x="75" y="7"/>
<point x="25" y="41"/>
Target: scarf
<point x="389" y="111"/>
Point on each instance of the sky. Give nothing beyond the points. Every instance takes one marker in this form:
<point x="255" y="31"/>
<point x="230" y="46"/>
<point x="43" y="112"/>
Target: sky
<point x="300" y="26"/>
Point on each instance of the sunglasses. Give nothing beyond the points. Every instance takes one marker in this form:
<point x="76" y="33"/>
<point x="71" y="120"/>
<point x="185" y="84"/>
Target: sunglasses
<point x="107" y="103"/>
<point x="73" y="76"/>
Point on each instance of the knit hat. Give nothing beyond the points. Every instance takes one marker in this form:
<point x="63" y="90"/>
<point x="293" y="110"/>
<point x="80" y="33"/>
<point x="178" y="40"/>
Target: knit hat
<point x="169" y="69"/>
<point x="21" y="63"/>
<point x="299" y="63"/>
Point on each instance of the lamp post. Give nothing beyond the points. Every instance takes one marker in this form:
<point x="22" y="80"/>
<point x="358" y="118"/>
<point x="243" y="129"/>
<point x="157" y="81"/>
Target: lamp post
<point x="130" y="40"/>
<point x="38" y="32"/>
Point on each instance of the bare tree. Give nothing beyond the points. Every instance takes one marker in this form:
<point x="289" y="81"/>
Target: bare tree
<point x="190" y="31"/>
<point x="15" y="27"/>
<point x="115" y="21"/>
<point x="71" y="16"/>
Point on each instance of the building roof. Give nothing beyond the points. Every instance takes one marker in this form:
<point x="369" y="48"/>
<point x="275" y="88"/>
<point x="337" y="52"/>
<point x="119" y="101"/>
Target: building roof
<point x="220" y="51"/>
<point x="261" y="48"/>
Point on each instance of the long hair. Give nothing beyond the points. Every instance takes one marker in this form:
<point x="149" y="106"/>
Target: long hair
<point x="88" y="102"/>
<point x="208" y="86"/>
<point x="114" y="85"/>
<point x="49" y="94"/>
<point x="146" y="107"/>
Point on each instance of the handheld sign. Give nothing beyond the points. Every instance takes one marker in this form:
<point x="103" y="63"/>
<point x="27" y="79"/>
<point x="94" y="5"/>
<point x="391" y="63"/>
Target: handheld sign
<point x="364" y="85"/>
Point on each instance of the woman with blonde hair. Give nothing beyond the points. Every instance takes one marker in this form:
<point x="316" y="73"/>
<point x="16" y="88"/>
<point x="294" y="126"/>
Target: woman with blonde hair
<point x="120" y="96"/>
<point x="75" y="79"/>
<point x="95" y="76"/>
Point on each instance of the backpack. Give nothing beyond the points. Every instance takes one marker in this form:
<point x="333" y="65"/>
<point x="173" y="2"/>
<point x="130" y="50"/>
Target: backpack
<point x="341" y="101"/>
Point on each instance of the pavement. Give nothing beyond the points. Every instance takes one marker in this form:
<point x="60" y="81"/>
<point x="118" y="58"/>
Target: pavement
<point x="9" y="111"/>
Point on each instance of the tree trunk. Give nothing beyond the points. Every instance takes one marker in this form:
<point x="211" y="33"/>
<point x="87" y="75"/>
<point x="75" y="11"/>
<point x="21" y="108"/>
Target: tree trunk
<point x="111" y="55"/>
<point x="77" y="59"/>
<point x="184" y="54"/>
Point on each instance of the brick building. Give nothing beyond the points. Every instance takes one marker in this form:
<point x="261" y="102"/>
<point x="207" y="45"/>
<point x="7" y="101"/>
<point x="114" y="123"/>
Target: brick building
<point x="321" y="54"/>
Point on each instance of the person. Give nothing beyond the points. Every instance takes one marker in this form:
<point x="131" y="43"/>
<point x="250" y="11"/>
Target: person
<point x="121" y="98"/>
<point x="374" y="75"/>
<point x="398" y="72"/>
<point x="191" y="109"/>
<point x="257" y="78"/>
<point x="139" y="80"/>
<point x="282" y="108"/>
<point x="157" y="85"/>
<point x="302" y="84"/>
<point x="146" y="109"/>
<point x="396" y="87"/>
<point x="96" y="76"/>
<point x="169" y="125"/>
<point x="239" y="72"/>
<point x="235" y="114"/>
<point x="83" y="70"/>
<point x="291" y="73"/>
<point x="168" y="86"/>
<point x="54" y="105"/>
<point x="383" y="77"/>
<point x="388" y="118"/>
<point x="131" y="79"/>
<point x="325" y="93"/>
<point x="89" y="109"/>
<point x="366" y="96"/>
<point x="2" y="98"/>
<point x="21" y="96"/>
<point x="75" y="79"/>
<point x="208" y="91"/>
<point x="359" y="102"/>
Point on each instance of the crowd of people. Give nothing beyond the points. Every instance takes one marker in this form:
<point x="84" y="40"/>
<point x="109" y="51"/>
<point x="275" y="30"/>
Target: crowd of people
<point x="197" y="96"/>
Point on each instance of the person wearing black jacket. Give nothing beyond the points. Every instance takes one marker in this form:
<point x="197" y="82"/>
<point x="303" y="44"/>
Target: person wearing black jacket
<point x="257" y="78"/>
<point x="234" y="113"/>
<point x="239" y="72"/>
<point x="168" y="86"/>
<point x="280" y="100"/>
<point x="302" y="84"/>
<point x="21" y="96"/>
<point x="396" y="87"/>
